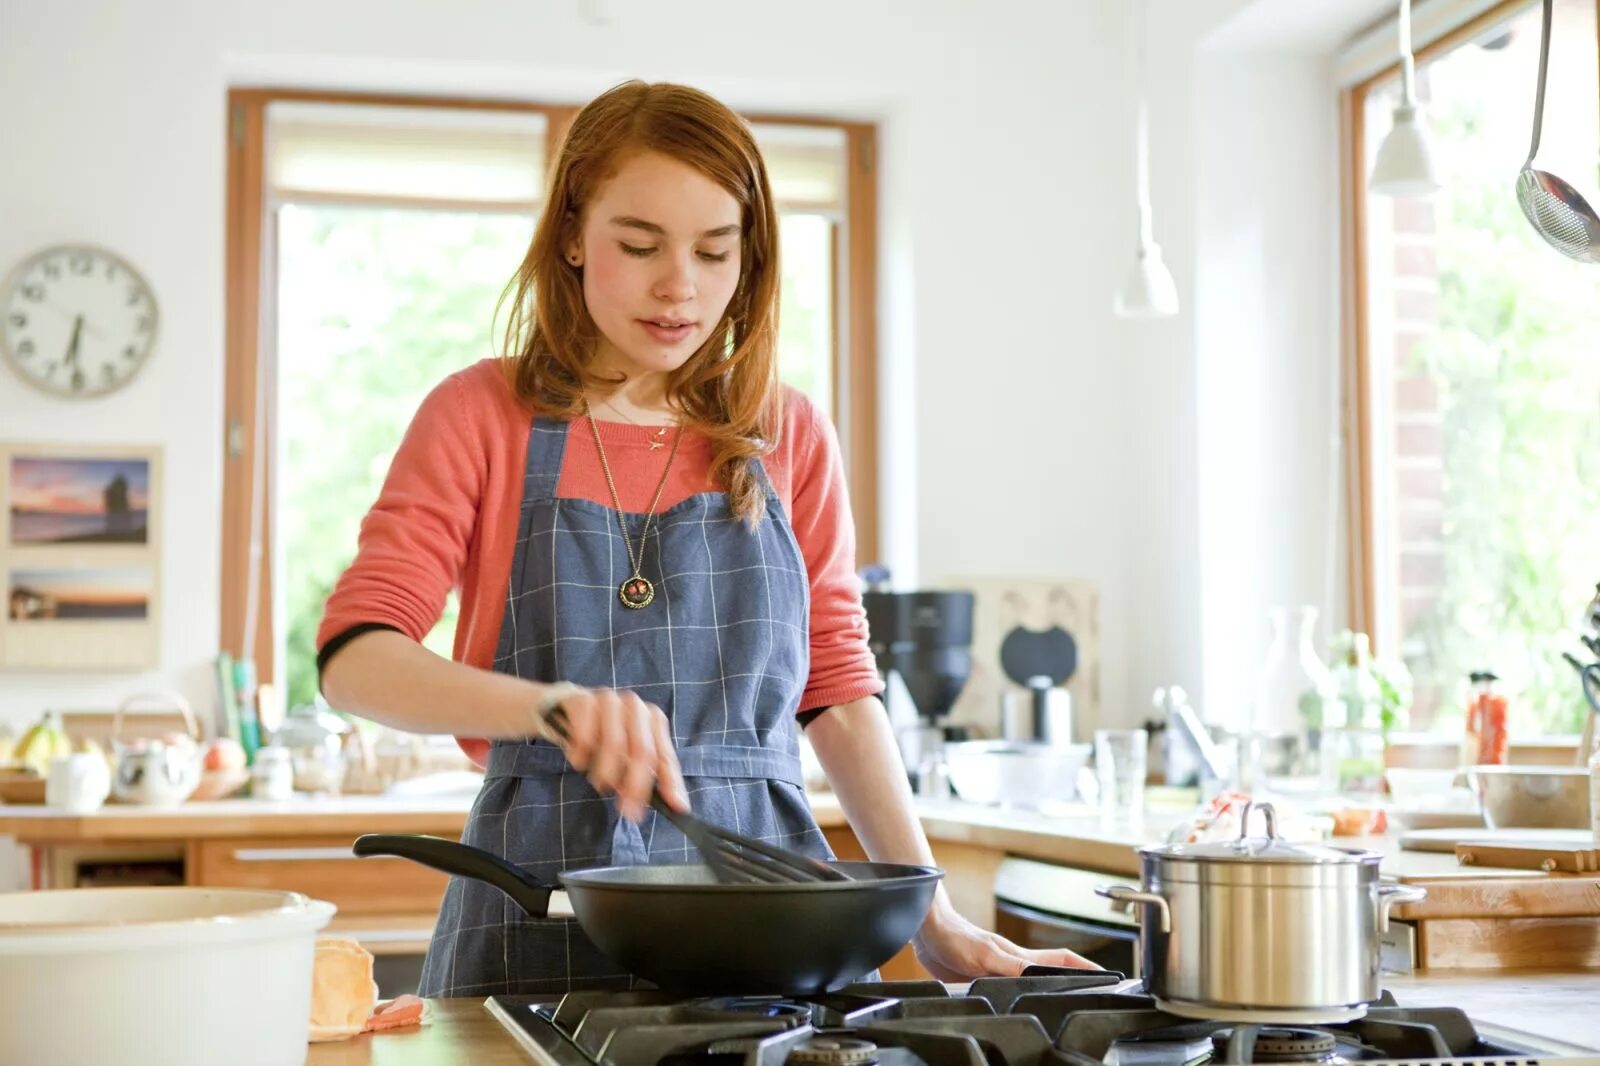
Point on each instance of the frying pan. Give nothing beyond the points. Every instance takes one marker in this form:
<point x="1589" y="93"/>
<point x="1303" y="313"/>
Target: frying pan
<point x="676" y="926"/>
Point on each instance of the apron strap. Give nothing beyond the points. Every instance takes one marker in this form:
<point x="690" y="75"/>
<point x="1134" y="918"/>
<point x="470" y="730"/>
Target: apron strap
<point x="547" y="444"/>
<point x="520" y="759"/>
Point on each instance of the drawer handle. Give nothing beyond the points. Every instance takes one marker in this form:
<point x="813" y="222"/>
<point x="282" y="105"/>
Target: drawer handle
<point x="292" y="854"/>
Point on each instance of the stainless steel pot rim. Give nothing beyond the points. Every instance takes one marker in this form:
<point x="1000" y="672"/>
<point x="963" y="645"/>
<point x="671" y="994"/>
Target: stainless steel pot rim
<point x="1209" y="854"/>
<point x="1252" y="875"/>
<point x="1270" y="849"/>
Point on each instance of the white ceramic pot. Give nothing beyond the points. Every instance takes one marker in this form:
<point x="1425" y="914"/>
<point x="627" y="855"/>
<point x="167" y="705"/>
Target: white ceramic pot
<point x="148" y="976"/>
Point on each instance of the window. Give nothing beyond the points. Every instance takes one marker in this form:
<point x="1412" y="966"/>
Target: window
<point x="370" y="240"/>
<point x="1480" y="412"/>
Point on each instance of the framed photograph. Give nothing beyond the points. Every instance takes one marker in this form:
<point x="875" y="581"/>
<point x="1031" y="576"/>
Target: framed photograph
<point x="80" y="557"/>
<point x="74" y="500"/>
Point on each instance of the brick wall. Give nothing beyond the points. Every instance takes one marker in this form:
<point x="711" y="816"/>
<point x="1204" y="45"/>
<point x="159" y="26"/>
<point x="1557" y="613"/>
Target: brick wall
<point x="1418" y="444"/>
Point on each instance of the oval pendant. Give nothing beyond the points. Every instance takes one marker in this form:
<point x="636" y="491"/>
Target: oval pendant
<point x="636" y="592"/>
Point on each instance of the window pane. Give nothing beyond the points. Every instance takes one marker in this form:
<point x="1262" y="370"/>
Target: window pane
<point x="407" y="152"/>
<point x="805" y="322"/>
<point x="376" y="306"/>
<point x="1486" y="384"/>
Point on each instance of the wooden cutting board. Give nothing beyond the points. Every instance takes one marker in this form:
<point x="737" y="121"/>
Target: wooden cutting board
<point x="1445" y="841"/>
<point x="1580" y="855"/>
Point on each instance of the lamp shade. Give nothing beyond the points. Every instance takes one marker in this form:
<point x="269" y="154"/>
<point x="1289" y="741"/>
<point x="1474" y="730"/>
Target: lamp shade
<point x="1149" y="291"/>
<point x="1404" y="166"/>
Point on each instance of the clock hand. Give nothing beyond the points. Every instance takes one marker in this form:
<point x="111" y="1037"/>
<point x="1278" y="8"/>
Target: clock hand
<point x="72" y="345"/>
<point x="93" y="331"/>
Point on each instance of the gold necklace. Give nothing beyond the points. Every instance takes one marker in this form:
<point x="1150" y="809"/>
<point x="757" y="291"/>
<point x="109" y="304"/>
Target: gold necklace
<point x="636" y="591"/>
<point x="661" y="431"/>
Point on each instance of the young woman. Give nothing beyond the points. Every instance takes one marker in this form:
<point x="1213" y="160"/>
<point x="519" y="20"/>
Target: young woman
<point x="647" y="531"/>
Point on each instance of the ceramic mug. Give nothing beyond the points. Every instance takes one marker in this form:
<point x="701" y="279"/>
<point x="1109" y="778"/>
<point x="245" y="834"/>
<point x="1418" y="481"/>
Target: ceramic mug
<point x="78" y="783"/>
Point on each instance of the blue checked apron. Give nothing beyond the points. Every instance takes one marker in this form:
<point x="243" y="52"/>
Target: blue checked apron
<point x="723" y="650"/>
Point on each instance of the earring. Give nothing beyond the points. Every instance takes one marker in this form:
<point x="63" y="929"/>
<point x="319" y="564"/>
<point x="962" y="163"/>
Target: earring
<point x="572" y="259"/>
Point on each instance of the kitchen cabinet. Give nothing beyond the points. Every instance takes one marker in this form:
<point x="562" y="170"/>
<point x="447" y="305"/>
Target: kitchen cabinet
<point x="1473" y="916"/>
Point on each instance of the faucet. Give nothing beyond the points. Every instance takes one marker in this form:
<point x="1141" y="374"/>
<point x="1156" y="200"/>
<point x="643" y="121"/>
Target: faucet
<point x="1189" y="743"/>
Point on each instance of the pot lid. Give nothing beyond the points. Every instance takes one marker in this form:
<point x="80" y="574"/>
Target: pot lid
<point x="1270" y="848"/>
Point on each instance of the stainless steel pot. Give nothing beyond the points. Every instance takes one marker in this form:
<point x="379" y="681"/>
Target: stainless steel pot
<point x="1260" y="929"/>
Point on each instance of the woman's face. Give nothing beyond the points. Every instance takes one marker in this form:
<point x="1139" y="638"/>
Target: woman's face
<point x="660" y="250"/>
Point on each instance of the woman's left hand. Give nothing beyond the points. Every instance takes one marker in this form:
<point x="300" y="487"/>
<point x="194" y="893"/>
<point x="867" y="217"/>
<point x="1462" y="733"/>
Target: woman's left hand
<point x="953" y="949"/>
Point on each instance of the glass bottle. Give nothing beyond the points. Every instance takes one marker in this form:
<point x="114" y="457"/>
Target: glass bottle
<point x="1486" y="741"/>
<point x="1292" y="694"/>
<point x="1353" y="743"/>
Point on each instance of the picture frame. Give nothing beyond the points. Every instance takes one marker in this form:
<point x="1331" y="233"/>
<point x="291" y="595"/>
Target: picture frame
<point x="80" y="560"/>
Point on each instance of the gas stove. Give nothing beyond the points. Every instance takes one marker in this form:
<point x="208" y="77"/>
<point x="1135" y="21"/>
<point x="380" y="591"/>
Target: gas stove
<point x="1044" y="1018"/>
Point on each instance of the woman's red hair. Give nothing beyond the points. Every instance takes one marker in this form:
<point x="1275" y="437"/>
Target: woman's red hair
<point x="728" y="388"/>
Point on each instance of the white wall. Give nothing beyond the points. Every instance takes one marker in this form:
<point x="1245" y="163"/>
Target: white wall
<point x="1028" y="431"/>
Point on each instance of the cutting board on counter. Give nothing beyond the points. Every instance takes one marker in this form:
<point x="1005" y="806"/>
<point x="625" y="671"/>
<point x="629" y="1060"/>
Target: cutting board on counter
<point x="1576" y="854"/>
<point x="1447" y="841"/>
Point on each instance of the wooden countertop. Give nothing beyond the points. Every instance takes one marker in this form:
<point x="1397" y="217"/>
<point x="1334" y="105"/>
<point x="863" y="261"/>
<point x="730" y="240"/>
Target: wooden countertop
<point x="301" y="816"/>
<point x="1079" y="839"/>
<point x="1554" y="1006"/>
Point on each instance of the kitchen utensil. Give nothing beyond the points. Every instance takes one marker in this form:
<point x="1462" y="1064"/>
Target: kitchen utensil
<point x="1533" y="797"/>
<point x="1048" y="654"/>
<point x="1040" y="660"/>
<point x="1021" y="715"/>
<point x="733" y="857"/>
<point x="1556" y="210"/>
<point x="1589" y="677"/>
<point x="1260" y="929"/>
<point x="157" y="976"/>
<point x="1578" y="857"/>
<point x="158" y="773"/>
<point x="677" y="926"/>
<point x="1010" y="773"/>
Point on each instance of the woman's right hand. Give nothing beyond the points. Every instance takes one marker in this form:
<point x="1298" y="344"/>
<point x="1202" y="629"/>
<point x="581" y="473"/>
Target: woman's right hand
<point x="624" y="745"/>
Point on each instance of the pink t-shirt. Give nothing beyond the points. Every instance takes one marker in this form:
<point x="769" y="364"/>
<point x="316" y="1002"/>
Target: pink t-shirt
<point x="447" y="518"/>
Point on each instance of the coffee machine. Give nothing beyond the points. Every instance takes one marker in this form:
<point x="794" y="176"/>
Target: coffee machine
<point x="925" y="638"/>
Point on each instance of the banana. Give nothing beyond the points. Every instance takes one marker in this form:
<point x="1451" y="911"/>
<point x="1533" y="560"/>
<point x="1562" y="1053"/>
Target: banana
<point x="43" y="741"/>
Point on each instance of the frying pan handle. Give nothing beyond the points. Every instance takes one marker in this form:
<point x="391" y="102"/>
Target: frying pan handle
<point x="453" y="857"/>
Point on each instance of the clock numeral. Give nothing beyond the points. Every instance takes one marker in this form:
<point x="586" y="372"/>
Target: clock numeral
<point x="108" y="372"/>
<point x="77" y="379"/>
<point x="145" y="324"/>
<point x="50" y="368"/>
<point x="130" y="352"/>
<point x="26" y="348"/>
<point x="52" y="270"/>
<point x="19" y="320"/>
<point x="81" y="264"/>
<point x="34" y="292"/>
<point x="135" y="295"/>
<point x="111" y="272"/>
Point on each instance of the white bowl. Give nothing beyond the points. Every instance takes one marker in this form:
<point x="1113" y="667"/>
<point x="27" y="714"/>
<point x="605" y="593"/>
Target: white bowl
<point x="1426" y="798"/>
<point x="169" y="976"/>
<point x="1015" y="773"/>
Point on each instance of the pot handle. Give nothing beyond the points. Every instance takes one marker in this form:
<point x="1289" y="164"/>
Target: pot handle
<point x="1129" y="894"/>
<point x="453" y="857"/>
<point x="1389" y="895"/>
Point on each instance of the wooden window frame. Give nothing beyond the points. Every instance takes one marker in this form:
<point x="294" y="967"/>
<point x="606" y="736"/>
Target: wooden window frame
<point x="247" y="490"/>
<point x="1355" y="351"/>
